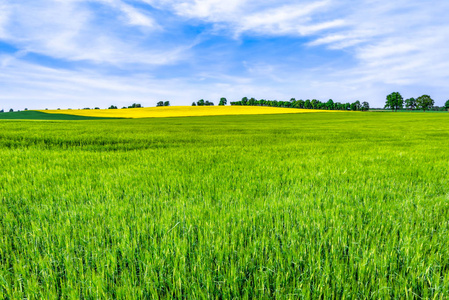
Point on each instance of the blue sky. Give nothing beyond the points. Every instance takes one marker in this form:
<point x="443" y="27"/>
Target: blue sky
<point x="86" y="53"/>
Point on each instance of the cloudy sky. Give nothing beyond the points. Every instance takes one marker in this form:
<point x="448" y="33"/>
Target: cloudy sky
<point x="78" y="53"/>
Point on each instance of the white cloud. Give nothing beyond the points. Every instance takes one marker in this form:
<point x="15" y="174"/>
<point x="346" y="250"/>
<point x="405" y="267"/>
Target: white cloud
<point x="402" y="43"/>
<point x="133" y="15"/>
<point x="287" y="20"/>
<point x="71" y="30"/>
<point x="4" y="18"/>
<point x="36" y="87"/>
<point x="260" y="17"/>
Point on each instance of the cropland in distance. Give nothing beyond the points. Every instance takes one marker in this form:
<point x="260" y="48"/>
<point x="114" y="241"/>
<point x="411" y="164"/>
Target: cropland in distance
<point x="182" y="111"/>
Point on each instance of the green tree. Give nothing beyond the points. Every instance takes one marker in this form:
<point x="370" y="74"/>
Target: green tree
<point x="410" y="103"/>
<point x="394" y="101"/>
<point x="244" y="100"/>
<point x="330" y="104"/>
<point x="424" y="102"/>
<point x="200" y="102"/>
<point x="135" y="105"/>
<point x="167" y="103"/>
<point x="446" y="105"/>
<point x="365" y="106"/>
<point x="307" y="104"/>
<point x="112" y="107"/>
<point x="160" y="103"/>
<point x="223" y="101"/>
<point x="193" y="104"/>
<point x="299" y="103"/>
<point x="11" y="110"/>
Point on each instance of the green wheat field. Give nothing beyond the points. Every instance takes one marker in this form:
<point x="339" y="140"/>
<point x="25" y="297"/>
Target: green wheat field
<point x="297" y="206"/>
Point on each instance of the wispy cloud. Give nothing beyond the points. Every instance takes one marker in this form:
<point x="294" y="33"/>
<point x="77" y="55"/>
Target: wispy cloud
<point x="133" y="15"/>
<point x="401" y="43"/>
<point x="260" y="17"/>
<point x="74" y="30"/>
<point x="4" y="18"/>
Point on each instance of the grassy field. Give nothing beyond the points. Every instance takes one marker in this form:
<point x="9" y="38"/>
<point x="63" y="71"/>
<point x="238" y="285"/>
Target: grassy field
<point x="183" y="111"/>
<point x="39" y="115"/>
<point x="295" y="206"/>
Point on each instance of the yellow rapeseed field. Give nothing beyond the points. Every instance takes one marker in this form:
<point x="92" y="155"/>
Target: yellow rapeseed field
<point x="182" y="111"/>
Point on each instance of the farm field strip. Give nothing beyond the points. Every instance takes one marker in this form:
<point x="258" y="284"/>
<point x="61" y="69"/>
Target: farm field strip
<point x="293" y="206"/>
<point x="37" y="115"/>
<point x="182" y="111"/>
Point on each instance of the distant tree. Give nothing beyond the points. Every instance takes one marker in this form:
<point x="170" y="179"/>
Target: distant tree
<point x="410" y="103"/>
<point x="26" y="109"/>
<point x="446" y="105"/>
<point x="193" y="104"/>
<point x="208" y="103"/>
<point x="356" y="106"/>
<point x="307" y="104"/>
<point x="330" y="104"/>
<point x="1" y="111"/>
<point x="200" y="102"/>
<point x="424" y="102"/>
<point x="160" y="103"/>
<point x="365" y="106"/>
<point x="299" y="103"/>
<point x="394" y="101"/>
<point x="223" y="101"/>
<point x="112" y="107"/>
<point x="11" y="110"/>
<point x="244" y="100"/>
<point x="97" y="108"/>
<point x="167" y="103"/>
<point x="124" y="107"/>
<point x="135" y="105"/>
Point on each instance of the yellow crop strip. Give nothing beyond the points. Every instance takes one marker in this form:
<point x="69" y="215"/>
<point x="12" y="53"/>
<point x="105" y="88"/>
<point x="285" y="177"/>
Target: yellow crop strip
<point x="182" y="111"/>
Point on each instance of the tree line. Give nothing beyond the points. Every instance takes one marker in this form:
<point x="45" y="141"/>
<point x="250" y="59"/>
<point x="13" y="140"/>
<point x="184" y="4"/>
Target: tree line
<point x="395" y="102"/>
<point x="134" y="105"/>
<point x="306" y="104"/>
